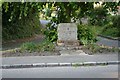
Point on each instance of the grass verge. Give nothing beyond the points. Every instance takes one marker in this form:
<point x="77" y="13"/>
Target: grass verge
<point x="94" y="48"/>
<point x="42" y="46"/>
<point x="107" y="31"/>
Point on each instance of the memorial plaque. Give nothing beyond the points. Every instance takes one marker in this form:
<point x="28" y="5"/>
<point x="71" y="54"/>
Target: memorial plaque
<point x="67" y="34"/>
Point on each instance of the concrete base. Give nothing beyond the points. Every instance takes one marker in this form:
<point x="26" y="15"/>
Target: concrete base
<point x="68" y="43"/>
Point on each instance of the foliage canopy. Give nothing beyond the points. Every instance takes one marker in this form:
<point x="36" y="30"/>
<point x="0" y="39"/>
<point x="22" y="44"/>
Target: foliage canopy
<point x="21" y="18"/>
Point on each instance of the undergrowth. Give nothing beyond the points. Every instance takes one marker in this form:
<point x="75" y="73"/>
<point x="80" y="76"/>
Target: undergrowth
<point x="46" y="45"/>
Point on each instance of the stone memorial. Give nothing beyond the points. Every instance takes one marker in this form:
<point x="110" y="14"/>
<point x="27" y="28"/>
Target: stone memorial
<point x="67" y="34"/>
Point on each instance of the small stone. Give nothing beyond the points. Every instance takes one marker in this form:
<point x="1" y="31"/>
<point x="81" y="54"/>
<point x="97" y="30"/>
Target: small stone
<point x="80" y="51"/>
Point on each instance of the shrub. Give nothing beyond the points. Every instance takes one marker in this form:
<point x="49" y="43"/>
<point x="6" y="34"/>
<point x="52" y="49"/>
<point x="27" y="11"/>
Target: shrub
<point x="86" y="34"/>
<point x="20" y="19"/>
<point x="98" y="16"/>
<point x="116" y="21"/>
<point x="51" y="31"/>
<point x="111" y="29"/>
<point x="22" y="28"/>
<point x="113" y="32"/>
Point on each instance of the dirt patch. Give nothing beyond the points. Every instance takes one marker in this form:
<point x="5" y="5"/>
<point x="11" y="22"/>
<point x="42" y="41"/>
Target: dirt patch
<point x="18" y="54"/>
<point x="16" y="43"/>
<point x="104" y="51"/>
<point x="40" y="36"/>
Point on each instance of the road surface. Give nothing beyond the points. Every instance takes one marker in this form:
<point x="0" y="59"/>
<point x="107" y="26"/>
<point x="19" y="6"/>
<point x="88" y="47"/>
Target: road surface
<point x="110" y="71"/>
<point x="108" y="42"/>
<point x="59" y="59"/>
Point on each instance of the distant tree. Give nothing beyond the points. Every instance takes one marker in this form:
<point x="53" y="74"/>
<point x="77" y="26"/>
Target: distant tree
<point x="77" y="10"/>
<point x="98" y="15"/>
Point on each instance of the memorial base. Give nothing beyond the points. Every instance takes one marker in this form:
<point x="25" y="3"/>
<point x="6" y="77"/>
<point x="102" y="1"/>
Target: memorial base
<point x="68" y="43"/>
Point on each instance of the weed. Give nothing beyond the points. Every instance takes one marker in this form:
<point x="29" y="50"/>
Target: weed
<point x="43" y="46"/>
<point x="29" y="46"/>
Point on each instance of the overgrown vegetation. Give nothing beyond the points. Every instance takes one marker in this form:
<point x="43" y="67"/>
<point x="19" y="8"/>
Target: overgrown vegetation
<point x="86" y="34"/>
<point x="46" y="45"/>
<point x="112" y="32"/>
<point x="116" y="21"/>
<point x="26" y="27"/>
<point x="20" y="19"/>
<point x="110" y="29"/>
<point x="28" y="46"/>
<point x="66" y="11"/>
<point x="98" y="16"/>
<point x="51" y="32"/>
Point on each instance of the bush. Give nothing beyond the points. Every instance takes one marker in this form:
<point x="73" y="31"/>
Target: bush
<point x="116" y="21"/>
<point x="20" y="19"/>
<point x="113" y="32"/>
<point x="112" y="28"/>
<point x="98" y="16"/>
<point x="86" y="34"/>
<point x="22" y="28"/>
<point x="51" y="32"/>
<point x="107" y="26"/>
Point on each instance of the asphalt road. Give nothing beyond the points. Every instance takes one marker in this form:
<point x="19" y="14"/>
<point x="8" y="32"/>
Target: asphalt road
<point x="108" y="42"/>
<point x="110" y="71"/>
<point x="59" y="59"/>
